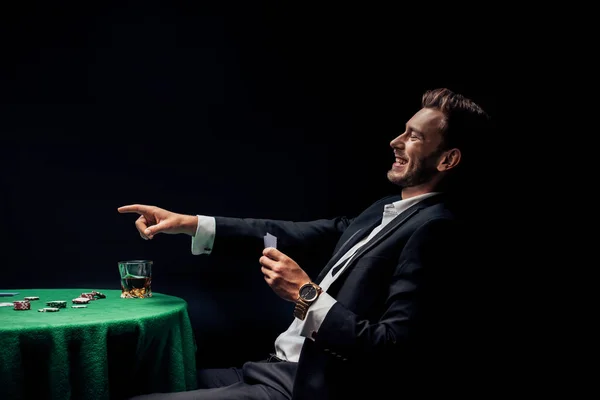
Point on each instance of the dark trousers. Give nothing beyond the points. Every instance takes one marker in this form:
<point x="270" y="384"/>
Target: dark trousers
<point x="264" y="380"/>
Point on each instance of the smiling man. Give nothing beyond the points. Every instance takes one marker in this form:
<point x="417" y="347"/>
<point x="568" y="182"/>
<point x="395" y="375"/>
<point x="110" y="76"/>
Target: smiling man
<point x="421" y="159"/>
<point x="389" y="313"/>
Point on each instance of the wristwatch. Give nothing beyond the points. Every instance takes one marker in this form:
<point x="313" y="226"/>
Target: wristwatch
<point x="308" y="294"/>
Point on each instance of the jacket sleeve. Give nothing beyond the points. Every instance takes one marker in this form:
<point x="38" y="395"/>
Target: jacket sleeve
<point x="247" y="234"/>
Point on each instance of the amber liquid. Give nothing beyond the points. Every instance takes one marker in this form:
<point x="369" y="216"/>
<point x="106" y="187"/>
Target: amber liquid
<point x="136" y="287"/>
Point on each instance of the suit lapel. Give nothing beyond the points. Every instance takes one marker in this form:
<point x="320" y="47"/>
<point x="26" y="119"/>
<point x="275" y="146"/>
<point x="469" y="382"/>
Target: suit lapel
<point x="394" y="224"/>
<point x="355" y="238"/>
<point x="390" y="227"/>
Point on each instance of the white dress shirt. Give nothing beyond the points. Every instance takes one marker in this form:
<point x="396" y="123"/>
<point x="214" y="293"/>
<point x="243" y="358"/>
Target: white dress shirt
<point x="289" y="343"/>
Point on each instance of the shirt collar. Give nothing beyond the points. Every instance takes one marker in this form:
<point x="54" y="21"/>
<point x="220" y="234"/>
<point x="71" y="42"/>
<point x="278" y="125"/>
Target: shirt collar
<point x="402" y="205"/>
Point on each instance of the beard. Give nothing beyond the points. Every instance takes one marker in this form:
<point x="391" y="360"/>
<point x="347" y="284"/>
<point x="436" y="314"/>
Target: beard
<point x="415" y="172"/>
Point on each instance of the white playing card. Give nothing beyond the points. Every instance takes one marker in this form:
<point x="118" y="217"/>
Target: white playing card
<point x="270" y="240"/>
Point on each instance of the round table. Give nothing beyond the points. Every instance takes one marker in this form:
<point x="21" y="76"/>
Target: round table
<point x="113" y="349"/>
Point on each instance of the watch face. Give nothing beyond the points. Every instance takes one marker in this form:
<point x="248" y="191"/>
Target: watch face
<point x="308" y="292"/>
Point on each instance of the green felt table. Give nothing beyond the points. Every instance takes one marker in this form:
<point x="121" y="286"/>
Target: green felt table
<point x="113" y="349"/>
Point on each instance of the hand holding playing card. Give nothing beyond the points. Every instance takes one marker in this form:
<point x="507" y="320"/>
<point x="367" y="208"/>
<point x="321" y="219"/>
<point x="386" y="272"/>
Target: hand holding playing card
<point x="270" y="240"/>
<point x="282" y="273"/>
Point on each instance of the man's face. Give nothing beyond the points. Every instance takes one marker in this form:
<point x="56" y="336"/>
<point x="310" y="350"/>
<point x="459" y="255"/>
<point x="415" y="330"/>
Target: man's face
<point x="416" y="151"/>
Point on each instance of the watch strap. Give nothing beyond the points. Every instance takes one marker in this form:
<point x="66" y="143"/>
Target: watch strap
<point x="300" y="309"/>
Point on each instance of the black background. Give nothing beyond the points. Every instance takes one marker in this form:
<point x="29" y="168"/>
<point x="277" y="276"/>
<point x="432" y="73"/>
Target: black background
<point x="234" y="108"/>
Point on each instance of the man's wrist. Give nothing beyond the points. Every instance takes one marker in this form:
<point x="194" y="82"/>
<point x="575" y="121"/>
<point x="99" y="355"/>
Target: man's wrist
<point x="308" y="294"/>
<point x="190" y="224"/>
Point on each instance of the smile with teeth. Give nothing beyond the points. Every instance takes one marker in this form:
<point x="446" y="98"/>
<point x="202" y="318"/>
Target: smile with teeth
<point x="399" y="162"/>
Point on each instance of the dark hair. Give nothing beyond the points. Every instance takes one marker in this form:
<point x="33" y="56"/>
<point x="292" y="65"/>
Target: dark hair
<point x="467" y="127"/>
<point x="464" y="120"/>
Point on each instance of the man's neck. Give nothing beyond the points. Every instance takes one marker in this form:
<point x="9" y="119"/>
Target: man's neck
<point x="413" y="191"/>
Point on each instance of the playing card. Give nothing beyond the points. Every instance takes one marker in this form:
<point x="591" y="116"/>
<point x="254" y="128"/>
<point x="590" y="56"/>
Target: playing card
<point x="270" y="240"/>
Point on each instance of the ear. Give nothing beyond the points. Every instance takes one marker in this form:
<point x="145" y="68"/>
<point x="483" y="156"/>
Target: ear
<point x="449" y="159"/>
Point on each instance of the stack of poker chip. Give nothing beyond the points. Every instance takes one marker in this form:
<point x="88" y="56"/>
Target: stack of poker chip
<point x="81" y="300"/>
<point x="90" y="295"/>
<point x="57" y="304"/>
<point x="98" y="295"/>
<point x="93" y="295"/>
<point x="31" y="298"/>
<point x="20" y="305"/>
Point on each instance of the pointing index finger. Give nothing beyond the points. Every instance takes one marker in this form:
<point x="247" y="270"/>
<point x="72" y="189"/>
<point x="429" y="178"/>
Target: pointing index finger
<point x="134" y="208"/>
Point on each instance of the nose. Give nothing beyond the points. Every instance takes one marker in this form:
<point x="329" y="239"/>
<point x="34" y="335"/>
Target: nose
<point x="397" y="141"/>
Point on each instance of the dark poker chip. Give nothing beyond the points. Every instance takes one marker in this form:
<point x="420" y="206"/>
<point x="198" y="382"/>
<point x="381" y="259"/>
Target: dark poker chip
<point x="57" y="304"/>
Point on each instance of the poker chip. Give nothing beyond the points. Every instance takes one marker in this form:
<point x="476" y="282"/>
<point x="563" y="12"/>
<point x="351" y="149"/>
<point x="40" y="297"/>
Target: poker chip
<point x="90" y="296"/>
<point x="30" y="298"/>
<point x="81" y="300"/>
<point x="22" y="305"/>
<point x="7" y="304"/>
<point x="49" y="309"/>
<point x="79" y="306"/>
<point x="57" y="304"/>
<point x="98" y="294"/>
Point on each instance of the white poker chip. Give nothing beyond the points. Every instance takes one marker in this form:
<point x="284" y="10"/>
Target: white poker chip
<point x="81" y="300"/>
<point x="7" y="304"/>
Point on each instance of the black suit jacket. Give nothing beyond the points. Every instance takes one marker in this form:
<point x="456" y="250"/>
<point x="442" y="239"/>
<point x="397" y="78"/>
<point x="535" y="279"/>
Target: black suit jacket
<point x="400" y="321"/>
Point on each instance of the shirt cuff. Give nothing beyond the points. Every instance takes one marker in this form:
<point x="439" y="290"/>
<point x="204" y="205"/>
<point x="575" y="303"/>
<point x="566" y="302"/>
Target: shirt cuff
<point x="316" y="314"/>
<point x="204" y="239"/>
